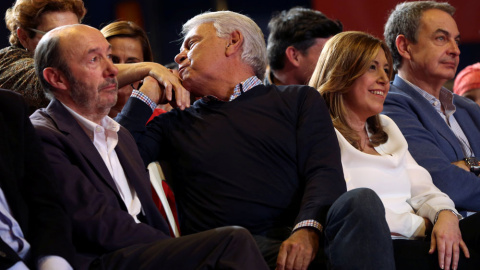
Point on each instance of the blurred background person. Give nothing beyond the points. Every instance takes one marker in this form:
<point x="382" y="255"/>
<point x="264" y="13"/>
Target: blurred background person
<point x="467" y="83"/>
<point x="295" y="41"/>
<point x="130" y="44"/>
<point x="353" y="75"/>
<point x="28" y="21"/>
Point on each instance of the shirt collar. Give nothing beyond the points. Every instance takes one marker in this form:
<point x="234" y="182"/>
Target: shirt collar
<point x="239" y="89"/>
<point x="446" y="99"/>
<point x="91" y="127"/>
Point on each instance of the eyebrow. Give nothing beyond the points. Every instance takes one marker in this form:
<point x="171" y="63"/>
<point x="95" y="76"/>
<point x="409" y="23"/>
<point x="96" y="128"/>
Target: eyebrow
<point x="133" y="59"/>
<point x="98" y="49"/>
<point x="187" y="40"/>
<point x="445" y="32"/>
<point x="378" y="63"/>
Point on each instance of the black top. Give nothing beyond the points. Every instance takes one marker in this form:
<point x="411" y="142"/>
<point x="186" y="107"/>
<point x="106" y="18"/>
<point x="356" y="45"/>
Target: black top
<point x="269" y="158"/>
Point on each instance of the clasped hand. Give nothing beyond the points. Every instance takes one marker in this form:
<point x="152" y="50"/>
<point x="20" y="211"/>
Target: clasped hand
<point x="164" y="85"/>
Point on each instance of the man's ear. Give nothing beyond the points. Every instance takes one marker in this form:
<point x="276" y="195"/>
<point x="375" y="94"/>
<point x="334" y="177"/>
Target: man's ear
<point x="55" y="78"/>
<point x="23" y="37"/>
<point x="235" y="43"/>
<point x="403" y="48"/>
<point x="292" y="55"/>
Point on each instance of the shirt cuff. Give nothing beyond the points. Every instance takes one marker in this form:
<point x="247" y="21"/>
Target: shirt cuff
<point x="144" y="98"/>
<point x="311" y="223"/>
<point x="53" y="262"/>
<point x="446" y="209"/>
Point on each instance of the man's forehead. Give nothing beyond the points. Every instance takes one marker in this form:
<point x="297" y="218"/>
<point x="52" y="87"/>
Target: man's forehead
<point x="81" y="43"/>
<point x="200" y="30"/>
<point x="436" y="19"/>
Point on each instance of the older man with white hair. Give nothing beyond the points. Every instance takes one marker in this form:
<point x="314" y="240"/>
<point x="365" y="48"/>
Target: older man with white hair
<point x="262" y="157"/>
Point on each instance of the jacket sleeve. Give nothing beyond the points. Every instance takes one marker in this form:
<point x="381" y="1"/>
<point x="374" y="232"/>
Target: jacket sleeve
<point x="461" y="186"/>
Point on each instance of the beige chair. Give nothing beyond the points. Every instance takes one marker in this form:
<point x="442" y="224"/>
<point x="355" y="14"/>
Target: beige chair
<point x="156" y="178"/>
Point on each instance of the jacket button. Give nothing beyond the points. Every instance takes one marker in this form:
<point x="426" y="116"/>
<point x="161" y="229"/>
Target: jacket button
<point x="2" y="254"/>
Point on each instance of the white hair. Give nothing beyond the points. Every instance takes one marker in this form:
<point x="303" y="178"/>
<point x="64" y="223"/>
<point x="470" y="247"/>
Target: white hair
<point x="254" y="51"/>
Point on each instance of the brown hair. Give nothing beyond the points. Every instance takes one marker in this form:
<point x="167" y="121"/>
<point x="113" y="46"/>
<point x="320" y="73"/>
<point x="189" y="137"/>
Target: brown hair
<point x="131" y="30"/>
<point x="345" y="58"/>
<point x="26" y="14"/>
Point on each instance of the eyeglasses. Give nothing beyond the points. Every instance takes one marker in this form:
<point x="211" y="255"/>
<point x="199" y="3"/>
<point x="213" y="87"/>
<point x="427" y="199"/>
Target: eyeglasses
<point x="37" y="31"/>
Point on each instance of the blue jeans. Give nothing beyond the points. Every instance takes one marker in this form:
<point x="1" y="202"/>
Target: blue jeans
<point x="356" y="236"/>
<point x="356" y="233"/>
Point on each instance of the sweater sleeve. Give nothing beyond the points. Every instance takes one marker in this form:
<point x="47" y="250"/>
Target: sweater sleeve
<point x="319" y="163"/>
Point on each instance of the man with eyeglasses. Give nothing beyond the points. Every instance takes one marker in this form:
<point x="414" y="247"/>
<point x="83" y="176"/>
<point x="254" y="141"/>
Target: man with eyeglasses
<point x="28" y="21"/>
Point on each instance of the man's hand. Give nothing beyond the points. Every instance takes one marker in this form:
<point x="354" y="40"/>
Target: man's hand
<point x="172" y="86"/>
<point x="169" y="82"/>
<point x="447" y="238"/>
<point x="152" y="90"/>
<point x="461" y="164"/>
<point x="298" y="250"/>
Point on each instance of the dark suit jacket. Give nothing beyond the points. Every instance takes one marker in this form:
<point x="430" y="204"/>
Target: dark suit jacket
<point x="101" y="223"/>
<point x="26" y="180"/>
<point x="433" y="145"/>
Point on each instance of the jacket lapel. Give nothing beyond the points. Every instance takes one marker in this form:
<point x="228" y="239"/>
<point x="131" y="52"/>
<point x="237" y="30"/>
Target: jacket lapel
<point x="431" y="115"/>
<point x="67" y="124"/>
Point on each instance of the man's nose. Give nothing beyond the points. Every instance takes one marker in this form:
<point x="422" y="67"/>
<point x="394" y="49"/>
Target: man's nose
<point x="179" y="58"/>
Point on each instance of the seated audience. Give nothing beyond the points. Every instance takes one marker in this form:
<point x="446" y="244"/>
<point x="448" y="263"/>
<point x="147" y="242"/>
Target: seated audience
<point x="34" y="228"/>
<point x="103" y="182"/>
<point x="295" y="41"/>
<point x="28" y="21"/>
<point x="352" y="75"/>
<point x="262" y="157"/>
<point x="129" y="45"/>
<point x="467" y="83"/>
<point x="442" y="129"/>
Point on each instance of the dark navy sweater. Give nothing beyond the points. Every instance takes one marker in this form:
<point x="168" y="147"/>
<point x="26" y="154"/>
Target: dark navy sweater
<point x="270" y="158"/>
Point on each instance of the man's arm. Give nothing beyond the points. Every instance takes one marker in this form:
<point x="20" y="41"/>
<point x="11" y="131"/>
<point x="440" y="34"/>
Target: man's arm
<point x="170" y="84"/>
<point x="320" y="169"/>
<point x="134" y="117"/>
<point x="461" y="186"/>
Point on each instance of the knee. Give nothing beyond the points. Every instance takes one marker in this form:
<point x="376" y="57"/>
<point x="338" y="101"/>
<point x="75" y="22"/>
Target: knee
<point x="360" y="202"/>
<point x="235" y="232"/>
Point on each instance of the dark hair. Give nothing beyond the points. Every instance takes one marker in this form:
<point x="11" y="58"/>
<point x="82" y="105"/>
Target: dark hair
<point x="405" y="20"/>
<point x="130" y="30"/>
<point x="297" y="27"/>
<point x="48" y="54"/>
<point x="26" y="14"/>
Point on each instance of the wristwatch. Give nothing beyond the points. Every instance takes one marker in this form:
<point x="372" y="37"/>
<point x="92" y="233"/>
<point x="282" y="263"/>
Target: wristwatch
<point x="473" y="164"/>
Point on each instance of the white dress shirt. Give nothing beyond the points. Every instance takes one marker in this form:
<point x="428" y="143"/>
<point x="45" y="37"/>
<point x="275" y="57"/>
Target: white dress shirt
<point x="105" y="139"/>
